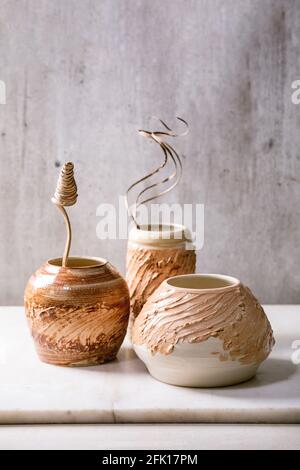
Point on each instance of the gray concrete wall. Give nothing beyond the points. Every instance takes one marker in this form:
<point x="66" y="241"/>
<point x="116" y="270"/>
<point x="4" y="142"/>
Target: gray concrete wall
<point x="83" y="75"/>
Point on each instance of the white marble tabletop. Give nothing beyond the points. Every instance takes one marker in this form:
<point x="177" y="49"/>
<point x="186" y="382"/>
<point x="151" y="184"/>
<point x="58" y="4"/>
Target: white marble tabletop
<point x="150" y="436"/>
<point x="123" y="392"/>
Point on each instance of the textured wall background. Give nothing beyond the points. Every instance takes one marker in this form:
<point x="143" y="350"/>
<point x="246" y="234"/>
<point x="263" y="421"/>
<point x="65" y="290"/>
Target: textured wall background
<point x="82" y="76"/>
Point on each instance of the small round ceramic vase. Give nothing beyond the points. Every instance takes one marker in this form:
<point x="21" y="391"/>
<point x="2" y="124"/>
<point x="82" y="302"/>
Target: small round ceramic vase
<point x="77" y="314"/>
<point x="202" y="330"/>
<point x="154" y="253"/>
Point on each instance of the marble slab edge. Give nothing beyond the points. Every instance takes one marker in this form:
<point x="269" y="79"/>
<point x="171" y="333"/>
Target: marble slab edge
<point x="271" y="416"/>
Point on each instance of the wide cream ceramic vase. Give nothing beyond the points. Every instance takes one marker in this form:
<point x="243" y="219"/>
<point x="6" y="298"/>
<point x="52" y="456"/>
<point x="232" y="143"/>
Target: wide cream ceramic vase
<point x="202" y="330"/>
<point x="78" y="314"/>
<point x="154" y="253"/>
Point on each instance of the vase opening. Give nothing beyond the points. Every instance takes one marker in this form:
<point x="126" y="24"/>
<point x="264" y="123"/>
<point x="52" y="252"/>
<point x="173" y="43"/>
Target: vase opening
<point x="77" y="262"/>
<point x="170" y="228"/>
<point x="202" y="282"/>
<point x="157" y="233"/>
<point x="161" y="231"/>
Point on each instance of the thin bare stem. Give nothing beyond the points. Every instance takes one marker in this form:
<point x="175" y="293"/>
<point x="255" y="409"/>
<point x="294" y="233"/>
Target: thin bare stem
<point x="169" y="153"/>
<point x="69" y="235"/>
<point x="66" y="195"/>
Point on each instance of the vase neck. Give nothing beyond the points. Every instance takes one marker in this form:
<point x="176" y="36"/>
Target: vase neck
<point x="159" y="236"/>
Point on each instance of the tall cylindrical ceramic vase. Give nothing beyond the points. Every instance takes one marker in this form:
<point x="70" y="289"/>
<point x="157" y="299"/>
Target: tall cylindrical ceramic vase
<point x="154" y="253"/>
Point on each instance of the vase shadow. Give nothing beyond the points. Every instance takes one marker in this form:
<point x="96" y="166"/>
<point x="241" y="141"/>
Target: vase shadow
<point x="273" y="371"/>
<point x="125" y="362"/>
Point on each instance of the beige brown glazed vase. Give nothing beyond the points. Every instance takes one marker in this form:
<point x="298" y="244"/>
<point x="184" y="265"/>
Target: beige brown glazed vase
<point x="155" y="253"/>
<point x="77" y="314"/>
<point x="202" y="331"/>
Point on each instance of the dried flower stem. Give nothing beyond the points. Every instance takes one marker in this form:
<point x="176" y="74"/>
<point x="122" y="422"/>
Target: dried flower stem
<point x="66" y="195"/>
<point x="168" y="152"/>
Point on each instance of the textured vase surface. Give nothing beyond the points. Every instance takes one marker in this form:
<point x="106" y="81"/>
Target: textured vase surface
<point x="202" y="330"/>
<point x="77" y="315"/>
<point x="151" y="259"/>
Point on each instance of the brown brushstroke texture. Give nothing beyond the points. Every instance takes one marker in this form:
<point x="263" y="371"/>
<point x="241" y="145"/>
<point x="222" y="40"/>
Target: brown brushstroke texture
<point x="173" y="316"/>
<point x="77" y="316"/>
<point x="148" y="268"/>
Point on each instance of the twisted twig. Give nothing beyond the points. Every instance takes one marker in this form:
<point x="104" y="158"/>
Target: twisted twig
<point x="168" y="151"/>
<point x="66" y="195"/>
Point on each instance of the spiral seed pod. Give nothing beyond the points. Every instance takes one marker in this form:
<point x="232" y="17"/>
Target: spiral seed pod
<point x="66" y="195"/>
<point x="66" y="189"/>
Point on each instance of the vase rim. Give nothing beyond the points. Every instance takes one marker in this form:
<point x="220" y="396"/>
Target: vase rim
<point x="160" y="234"/>
<point x="160" y="228"/>
<point x="78" y="262"/>
<point x="203" y="283"/>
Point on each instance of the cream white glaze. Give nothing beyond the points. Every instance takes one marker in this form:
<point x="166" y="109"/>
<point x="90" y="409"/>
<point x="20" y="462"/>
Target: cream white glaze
<point x="232" y="314"/>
